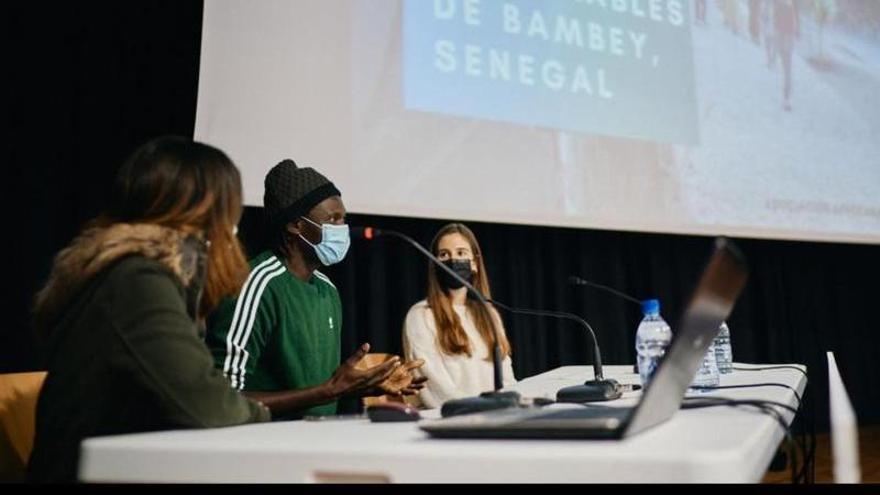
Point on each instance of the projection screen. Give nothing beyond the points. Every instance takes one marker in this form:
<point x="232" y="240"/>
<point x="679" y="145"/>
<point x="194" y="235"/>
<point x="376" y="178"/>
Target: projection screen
<point x="742" y="118"/>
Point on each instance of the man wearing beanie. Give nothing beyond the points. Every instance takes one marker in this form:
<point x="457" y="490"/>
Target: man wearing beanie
<point x="279" y="340"/>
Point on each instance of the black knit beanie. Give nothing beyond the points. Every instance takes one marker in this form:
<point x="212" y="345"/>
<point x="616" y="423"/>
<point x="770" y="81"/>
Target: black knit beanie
<point x="291" y="192"/>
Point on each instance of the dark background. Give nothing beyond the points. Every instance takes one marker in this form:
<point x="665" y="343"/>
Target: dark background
<point x="92" y="81"/>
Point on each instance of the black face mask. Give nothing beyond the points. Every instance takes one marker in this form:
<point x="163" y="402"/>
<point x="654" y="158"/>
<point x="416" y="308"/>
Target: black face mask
<point x="461" y="267"/>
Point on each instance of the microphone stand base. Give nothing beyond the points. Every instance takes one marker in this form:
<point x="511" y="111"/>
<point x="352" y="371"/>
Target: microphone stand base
<point x="591" y="391"/>
<point x="487" y="401"/>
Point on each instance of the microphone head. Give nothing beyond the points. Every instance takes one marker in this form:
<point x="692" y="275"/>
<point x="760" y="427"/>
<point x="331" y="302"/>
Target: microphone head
<point x="366" y="233"/>
<point x="575" y="280"/>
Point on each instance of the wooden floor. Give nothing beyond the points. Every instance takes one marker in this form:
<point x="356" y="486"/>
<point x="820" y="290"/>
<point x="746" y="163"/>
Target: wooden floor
<point x="869" y="454"/>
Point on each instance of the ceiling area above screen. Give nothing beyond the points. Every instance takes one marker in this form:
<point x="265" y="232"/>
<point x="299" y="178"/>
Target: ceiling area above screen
<point x="655" y="116"/>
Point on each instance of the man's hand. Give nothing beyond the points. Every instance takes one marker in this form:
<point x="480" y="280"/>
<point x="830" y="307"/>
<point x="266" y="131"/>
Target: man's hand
<point x="348" y="380"/>
<point x="403" y="380"/>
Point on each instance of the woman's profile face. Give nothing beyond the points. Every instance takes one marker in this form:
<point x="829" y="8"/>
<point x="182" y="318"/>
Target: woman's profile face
<point x="455" y="246"/>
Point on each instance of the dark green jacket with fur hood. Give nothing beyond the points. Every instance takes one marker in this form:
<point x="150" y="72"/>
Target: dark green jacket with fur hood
<point x="122" y="349"/>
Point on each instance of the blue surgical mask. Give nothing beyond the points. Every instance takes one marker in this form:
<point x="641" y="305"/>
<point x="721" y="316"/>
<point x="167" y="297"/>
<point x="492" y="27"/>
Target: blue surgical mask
<point x="334" y="242"/>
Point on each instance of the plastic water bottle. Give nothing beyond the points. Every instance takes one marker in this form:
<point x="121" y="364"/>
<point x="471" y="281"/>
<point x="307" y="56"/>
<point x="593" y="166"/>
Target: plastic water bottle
<point x="652" y="340"/>
<point x="723" y="351"/>
<point x="707" y="375"/>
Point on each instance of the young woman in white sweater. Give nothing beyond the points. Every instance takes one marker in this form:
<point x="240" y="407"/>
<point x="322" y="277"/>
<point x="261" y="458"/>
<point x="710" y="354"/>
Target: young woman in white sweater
<point x="452" y="332"/>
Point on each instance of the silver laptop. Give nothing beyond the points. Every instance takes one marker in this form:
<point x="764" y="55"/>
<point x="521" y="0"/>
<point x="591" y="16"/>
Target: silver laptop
<point x="711" y="303"/>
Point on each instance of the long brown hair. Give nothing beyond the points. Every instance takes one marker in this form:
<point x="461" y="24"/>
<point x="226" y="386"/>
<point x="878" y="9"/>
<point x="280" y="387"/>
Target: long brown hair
<point x="192" y="187"/>
<point x="450" y="334"/>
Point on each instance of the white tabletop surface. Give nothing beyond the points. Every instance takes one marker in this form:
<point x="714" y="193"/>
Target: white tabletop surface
<point x="720" y="444"/>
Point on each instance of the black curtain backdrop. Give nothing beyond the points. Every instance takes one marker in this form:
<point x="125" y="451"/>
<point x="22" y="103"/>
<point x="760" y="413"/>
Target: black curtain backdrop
<point x="92" y="81"/>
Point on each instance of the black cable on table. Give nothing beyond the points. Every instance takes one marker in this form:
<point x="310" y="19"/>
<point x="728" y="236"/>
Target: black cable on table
<point x="766" y="406"/>
<point x="774" y="367"/>
<point x="750" y="385"/>
<point x="812" y="414"/>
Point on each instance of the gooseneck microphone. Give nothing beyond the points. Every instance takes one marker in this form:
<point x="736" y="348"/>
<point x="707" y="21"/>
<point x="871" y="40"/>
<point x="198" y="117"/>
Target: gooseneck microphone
<point x="575" y="280"/>
<point x="597" y="389"/>
<point x="487" y="401"/>
<point x="578" y="281"/>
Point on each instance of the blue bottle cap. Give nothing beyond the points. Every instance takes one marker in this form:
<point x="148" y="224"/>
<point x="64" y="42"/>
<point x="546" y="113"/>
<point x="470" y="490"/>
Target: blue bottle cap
<point x="651" y="306"/>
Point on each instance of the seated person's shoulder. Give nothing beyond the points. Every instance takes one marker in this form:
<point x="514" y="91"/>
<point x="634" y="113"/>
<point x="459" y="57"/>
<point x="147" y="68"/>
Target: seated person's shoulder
<point x="138" y="287"/>
<point x="263" y="277"/>
<point x="265" y="262"/>
<point x="138" y="273"/>
<point x="419" y="315"/>
<point x="419" y="307"/>
<point x="324" y="279"/>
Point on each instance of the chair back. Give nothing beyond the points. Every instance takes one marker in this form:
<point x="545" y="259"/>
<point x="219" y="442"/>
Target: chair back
<point x="18" y="407"/>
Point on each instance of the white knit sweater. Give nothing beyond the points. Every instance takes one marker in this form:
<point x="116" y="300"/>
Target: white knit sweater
<point x="450" y="376"/>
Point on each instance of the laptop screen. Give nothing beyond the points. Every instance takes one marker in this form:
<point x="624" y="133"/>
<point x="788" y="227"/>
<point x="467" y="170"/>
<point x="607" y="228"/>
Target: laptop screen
<point x="711" y="303"/>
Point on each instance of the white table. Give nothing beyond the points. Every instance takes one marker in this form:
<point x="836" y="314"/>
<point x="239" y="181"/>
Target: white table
<point x="719" y="444"/>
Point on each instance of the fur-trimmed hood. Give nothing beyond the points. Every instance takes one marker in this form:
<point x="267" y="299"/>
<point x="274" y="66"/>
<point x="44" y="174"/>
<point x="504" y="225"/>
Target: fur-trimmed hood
<point x="97" y="248"/>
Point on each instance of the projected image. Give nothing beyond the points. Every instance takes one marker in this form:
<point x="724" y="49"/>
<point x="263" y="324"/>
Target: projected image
<point x="531" y="137"/>
<point x="560" y="64"/>
<point x="738" y="117"/>
<point x="788" y="113"/>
